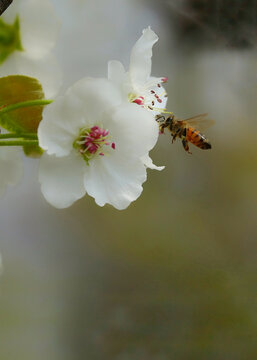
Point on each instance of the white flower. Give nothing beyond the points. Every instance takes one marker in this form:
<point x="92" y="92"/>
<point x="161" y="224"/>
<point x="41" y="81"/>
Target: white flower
<point x="39" y="29"/>
<point x="93" y="143"/>
<point x="137" y="84"/>
<point x="11" y="167"/>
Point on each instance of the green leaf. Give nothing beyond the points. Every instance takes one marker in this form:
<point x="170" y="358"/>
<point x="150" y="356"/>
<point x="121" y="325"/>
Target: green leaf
<point x="9" y="39"/>
<point x="21" y="103"/>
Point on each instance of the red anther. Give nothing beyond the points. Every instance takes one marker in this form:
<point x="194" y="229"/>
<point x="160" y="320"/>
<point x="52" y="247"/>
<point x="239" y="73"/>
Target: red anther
<point x="159" y="100"/>
<point x="138" y="101"/>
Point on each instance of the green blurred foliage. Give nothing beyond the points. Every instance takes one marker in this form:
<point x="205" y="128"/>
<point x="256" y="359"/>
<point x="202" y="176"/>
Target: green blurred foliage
<point x="9" y="39"/>
<point x="16" y="89"/>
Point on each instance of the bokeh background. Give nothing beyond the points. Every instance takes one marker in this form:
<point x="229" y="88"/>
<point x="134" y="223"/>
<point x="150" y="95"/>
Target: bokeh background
<point x="174" y="275"/>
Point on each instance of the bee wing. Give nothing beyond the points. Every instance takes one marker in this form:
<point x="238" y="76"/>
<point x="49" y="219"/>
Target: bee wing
<point x="199" y="122"/>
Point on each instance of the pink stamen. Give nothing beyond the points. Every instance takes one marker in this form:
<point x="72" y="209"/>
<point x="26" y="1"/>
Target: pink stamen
<point x="139" y="101"/>
<point x="95" y="139"/>
<point x="165" y="79"/>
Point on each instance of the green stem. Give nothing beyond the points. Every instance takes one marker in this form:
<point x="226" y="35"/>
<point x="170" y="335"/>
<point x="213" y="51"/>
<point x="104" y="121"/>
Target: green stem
<point x="18" y="136"/>
<point x="23" y="104"/>
<point x="18" y="142"/>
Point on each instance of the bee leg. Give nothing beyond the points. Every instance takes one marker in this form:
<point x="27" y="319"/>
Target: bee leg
<point x="173" y="138"/>
<point x="161" y="129"/>
<point x="185" y="146"/>
<point x="162" y="123"/>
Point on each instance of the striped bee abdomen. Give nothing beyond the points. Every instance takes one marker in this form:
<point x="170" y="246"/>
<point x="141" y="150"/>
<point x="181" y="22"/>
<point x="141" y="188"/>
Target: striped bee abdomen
<point x="196" y="138"/>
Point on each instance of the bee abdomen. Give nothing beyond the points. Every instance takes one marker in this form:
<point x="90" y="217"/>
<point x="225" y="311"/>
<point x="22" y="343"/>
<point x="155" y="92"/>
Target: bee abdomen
<point x="197" y="139"/>
<point x="205" y="145"/>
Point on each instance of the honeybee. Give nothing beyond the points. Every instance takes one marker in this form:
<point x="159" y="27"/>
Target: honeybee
<point x="186" y="130"/>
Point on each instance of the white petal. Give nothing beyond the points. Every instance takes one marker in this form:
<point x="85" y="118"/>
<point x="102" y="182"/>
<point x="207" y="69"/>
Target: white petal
<point x="97" y="96"/>
<point x="117" y="183"/>
<point x="46" y="70"/>
<point x="60" y="126"/>
<point x="84" y="104"/>
<point x="39" y="26"/>
<point x="116" y="72"/>
<point x="61" y="179"/>
<point x="141" y="57"/>
<point x="133" y="129"/>
<point x="148" y="162"/>
<point x="11" y="167"/>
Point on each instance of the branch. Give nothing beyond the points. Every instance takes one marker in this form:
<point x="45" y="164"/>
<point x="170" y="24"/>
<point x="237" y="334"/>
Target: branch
<point x="4" y="4"/>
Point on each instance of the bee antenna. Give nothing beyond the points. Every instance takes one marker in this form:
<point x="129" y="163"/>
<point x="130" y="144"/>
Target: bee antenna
<point x="167" y="112"/>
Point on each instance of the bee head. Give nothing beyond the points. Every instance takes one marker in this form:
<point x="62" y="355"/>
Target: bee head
<point x="163" y="120"/>
<point x="170" y="121"/>
<point x="160" y="119"/>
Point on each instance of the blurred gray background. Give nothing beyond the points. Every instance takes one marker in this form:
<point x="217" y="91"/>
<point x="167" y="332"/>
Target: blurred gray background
<point x="174" y="275"/>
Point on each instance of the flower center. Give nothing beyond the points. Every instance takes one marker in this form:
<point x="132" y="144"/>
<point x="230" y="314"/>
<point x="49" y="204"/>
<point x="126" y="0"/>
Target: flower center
<point x="91" y="142"/>
<point x="148" y="98"/>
